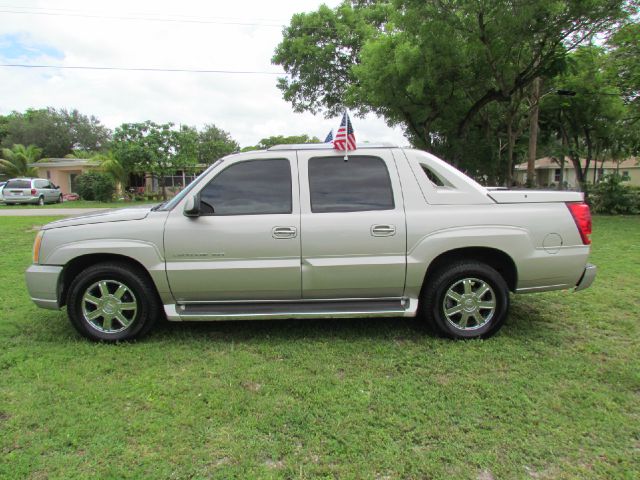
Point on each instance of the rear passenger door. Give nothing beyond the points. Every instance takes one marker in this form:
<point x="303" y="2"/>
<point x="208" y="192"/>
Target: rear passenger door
<point x="353" y="242"/>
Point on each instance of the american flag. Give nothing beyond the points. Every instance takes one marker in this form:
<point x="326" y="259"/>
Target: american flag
<point x="329" y="137"/>
<point x="345" y="138"/>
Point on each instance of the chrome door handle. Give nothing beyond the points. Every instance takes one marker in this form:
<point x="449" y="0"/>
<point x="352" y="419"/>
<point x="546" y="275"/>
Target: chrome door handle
<point x="383" y="230"/>
<point x="284" y="232"/>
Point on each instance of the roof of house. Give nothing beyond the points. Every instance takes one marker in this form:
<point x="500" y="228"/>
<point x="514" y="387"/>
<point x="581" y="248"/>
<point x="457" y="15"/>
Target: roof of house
<point x="553" y="162"/>
<point x="64" y="162"/>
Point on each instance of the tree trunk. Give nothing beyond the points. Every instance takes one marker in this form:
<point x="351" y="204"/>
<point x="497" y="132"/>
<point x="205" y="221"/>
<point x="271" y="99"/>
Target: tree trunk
<point x="510" y="143"/>
<point x="533" y="132"/>
<point x="565" y="147"/>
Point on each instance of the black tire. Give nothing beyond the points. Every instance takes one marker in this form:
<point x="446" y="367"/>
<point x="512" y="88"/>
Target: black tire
<point x="40" y="201"/>
<point x="60" y="199"/>
<point x="141" y="292"/>
<point x="476" y="319"/>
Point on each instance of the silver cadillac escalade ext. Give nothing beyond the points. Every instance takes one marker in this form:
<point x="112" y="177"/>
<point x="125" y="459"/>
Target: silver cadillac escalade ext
<point x="298" y="231"/>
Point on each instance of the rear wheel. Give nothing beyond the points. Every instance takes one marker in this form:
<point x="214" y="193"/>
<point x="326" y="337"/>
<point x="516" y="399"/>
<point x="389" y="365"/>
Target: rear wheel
<point x="60" y="199"/>
<point x="112" y="302"/>
<point x="468" y="299"/>
<point x="40" y="201"/>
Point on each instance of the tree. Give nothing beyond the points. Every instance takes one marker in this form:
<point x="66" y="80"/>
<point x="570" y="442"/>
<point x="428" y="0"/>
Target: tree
<point x="269" y="142"/>
<point x="154" y="148"/>
<point x="15" y="161"/>
<point x="433" y="67"/>
<point x="57" y="132"/>
<point x="214" y="143"/>
<point x="586" y="122"/>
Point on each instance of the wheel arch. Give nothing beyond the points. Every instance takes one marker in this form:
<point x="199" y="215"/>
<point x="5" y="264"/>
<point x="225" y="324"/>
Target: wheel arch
<point x="495" y="258"/>
<point x="80" y="263"/>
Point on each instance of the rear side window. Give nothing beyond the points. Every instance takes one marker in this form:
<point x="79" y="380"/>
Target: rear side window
<point x="18" y="184"/>
<point x="355" y="185"/>
<point x="254" y="187"/>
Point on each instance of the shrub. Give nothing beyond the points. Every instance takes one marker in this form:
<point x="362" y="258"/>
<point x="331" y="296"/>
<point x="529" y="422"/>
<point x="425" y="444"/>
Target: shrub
<point x="95" y="186"/>
<point x="612" y="197"/>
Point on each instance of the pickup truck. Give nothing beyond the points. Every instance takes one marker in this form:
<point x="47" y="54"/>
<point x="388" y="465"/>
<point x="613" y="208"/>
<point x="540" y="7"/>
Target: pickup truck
<point x="300" y="231"/>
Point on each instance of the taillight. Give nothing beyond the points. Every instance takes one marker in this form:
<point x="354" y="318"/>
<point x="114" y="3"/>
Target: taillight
<point x="582" y="216"/>
<point x="33" y="191"/>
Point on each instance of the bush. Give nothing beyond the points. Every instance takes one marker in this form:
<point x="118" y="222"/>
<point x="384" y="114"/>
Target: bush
<point x="612" y="197"/>
<point x="95" y="186"/>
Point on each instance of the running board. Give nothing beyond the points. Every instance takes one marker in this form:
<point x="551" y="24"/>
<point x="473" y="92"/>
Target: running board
<point x="405" y="307"/>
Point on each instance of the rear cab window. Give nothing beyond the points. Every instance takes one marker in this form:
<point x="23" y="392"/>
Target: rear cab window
<point x="361" y="183"/>
<point x="18" y="184"/>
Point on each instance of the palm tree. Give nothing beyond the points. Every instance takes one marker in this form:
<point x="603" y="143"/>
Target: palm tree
<point x="15" y="161"/>
<point x="112" y="167"/>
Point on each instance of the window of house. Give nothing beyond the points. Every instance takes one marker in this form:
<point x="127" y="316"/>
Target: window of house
<point x="625" y="175"/>
<point x="556" y="175"/>
<point x="254" y="187"/>
<point x="355" y="185"/>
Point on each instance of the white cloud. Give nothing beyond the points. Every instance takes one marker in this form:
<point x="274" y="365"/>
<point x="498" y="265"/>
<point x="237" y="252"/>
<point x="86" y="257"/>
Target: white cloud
<point x="250" y="107"/>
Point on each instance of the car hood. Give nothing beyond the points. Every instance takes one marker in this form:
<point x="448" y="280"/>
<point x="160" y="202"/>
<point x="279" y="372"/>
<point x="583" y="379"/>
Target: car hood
<point x="111" y="215"/>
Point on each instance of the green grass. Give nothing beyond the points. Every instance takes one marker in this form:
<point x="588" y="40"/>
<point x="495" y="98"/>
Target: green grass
<point x="556" y="394"/>
<point x="82" y="204"/>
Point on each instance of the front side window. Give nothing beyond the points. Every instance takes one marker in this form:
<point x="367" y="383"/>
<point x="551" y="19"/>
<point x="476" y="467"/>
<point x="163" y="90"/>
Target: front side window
<point x="354" y="185"/>
<point x="254" y="187"/>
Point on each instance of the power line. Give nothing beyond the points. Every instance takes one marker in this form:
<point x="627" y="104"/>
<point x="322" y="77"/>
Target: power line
<point x="137" y="14"/>
<point x="142" y="69"/>
<point x="148" y="19"/>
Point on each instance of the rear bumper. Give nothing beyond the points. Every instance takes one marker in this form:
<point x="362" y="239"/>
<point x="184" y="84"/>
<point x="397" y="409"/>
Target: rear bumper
<point x="20" y="199"/>
<point x="42" y="283"/>
<point x="587" y="278"/>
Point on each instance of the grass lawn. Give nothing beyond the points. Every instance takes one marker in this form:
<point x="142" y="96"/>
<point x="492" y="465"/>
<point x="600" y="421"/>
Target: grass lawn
<point x="82" y="204"/>
<point x="556" y="394"/>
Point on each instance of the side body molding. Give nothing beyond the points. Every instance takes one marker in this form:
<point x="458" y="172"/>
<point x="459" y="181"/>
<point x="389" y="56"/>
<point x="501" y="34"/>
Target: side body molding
<point x="514" y="241"/>
<point x="145" y="253"/>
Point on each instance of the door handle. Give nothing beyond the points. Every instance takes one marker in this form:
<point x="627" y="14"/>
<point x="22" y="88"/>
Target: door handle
<point x="383" y="230"/>
<point x="284" y="232"/>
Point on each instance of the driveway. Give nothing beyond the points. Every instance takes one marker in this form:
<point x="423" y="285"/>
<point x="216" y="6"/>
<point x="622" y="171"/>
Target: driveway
<point x="46" y="212"/>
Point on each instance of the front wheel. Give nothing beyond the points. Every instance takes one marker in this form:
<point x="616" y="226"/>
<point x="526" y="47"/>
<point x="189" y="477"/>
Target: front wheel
<point x="468" y="299"/>
<point x="112" y="302"/>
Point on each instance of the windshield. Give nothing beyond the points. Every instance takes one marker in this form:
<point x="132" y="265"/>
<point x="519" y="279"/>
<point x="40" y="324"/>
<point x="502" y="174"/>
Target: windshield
<point x="165" y="206"/>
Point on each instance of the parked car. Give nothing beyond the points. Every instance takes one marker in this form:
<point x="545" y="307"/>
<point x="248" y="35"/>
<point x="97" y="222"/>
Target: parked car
<point x="298" y="231"/>
<point x="31" y="190"/>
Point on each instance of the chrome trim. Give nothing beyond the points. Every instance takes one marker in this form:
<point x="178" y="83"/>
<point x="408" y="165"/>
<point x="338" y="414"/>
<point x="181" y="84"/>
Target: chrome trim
<point x="587" y="278"/>
<point x="543" y="288"/>
<point x="410" y="310"/>
<point x="298" y="300"/>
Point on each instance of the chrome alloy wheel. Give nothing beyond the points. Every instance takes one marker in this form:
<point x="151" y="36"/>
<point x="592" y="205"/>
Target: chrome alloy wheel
<point x="469" y="304"/>
<point x="109" y="306"/>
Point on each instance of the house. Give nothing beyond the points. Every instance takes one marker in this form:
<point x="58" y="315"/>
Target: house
<point x="64" y="171"/>
<point x="548" y="171"/>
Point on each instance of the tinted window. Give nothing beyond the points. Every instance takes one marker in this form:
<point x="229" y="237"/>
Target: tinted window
<point x="249" y="188"/>
<point x="18" y="184"/>
<point x="358" y="184"/>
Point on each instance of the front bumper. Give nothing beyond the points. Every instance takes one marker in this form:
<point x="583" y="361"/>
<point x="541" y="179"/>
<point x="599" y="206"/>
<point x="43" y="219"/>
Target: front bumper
<point x="587" y="278"/>
<point x="43" y="284"/>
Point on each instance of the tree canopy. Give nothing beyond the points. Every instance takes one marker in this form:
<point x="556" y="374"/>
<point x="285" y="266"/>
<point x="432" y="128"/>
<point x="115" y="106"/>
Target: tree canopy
<point x="454" y="74"/>
<point x="56" y="132"/>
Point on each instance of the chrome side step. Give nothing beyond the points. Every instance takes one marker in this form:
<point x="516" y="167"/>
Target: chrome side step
<point x="405" y="307"/>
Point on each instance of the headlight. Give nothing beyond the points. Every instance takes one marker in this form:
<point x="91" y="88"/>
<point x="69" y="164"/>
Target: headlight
<point x="36" y="247"/>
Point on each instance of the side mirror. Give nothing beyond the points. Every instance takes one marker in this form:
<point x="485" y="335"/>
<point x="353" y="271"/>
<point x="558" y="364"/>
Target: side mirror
<point x="192" y="206"/>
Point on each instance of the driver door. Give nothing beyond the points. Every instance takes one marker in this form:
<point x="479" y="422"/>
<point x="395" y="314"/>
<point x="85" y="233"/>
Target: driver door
<point x="245" y="243"/>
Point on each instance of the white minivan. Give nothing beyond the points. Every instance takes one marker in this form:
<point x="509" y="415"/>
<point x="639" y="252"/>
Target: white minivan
<point x="31" y="190"/>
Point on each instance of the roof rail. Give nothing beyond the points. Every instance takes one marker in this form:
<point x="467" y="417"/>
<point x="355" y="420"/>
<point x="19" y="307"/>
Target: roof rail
<point x="327" y="146"/>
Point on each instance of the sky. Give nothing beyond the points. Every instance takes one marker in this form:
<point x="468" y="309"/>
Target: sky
<point x="193" y="34"/>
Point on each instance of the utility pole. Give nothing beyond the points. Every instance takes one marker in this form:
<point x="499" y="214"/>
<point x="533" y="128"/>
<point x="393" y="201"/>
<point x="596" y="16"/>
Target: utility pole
<point x="533" y="131"/>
